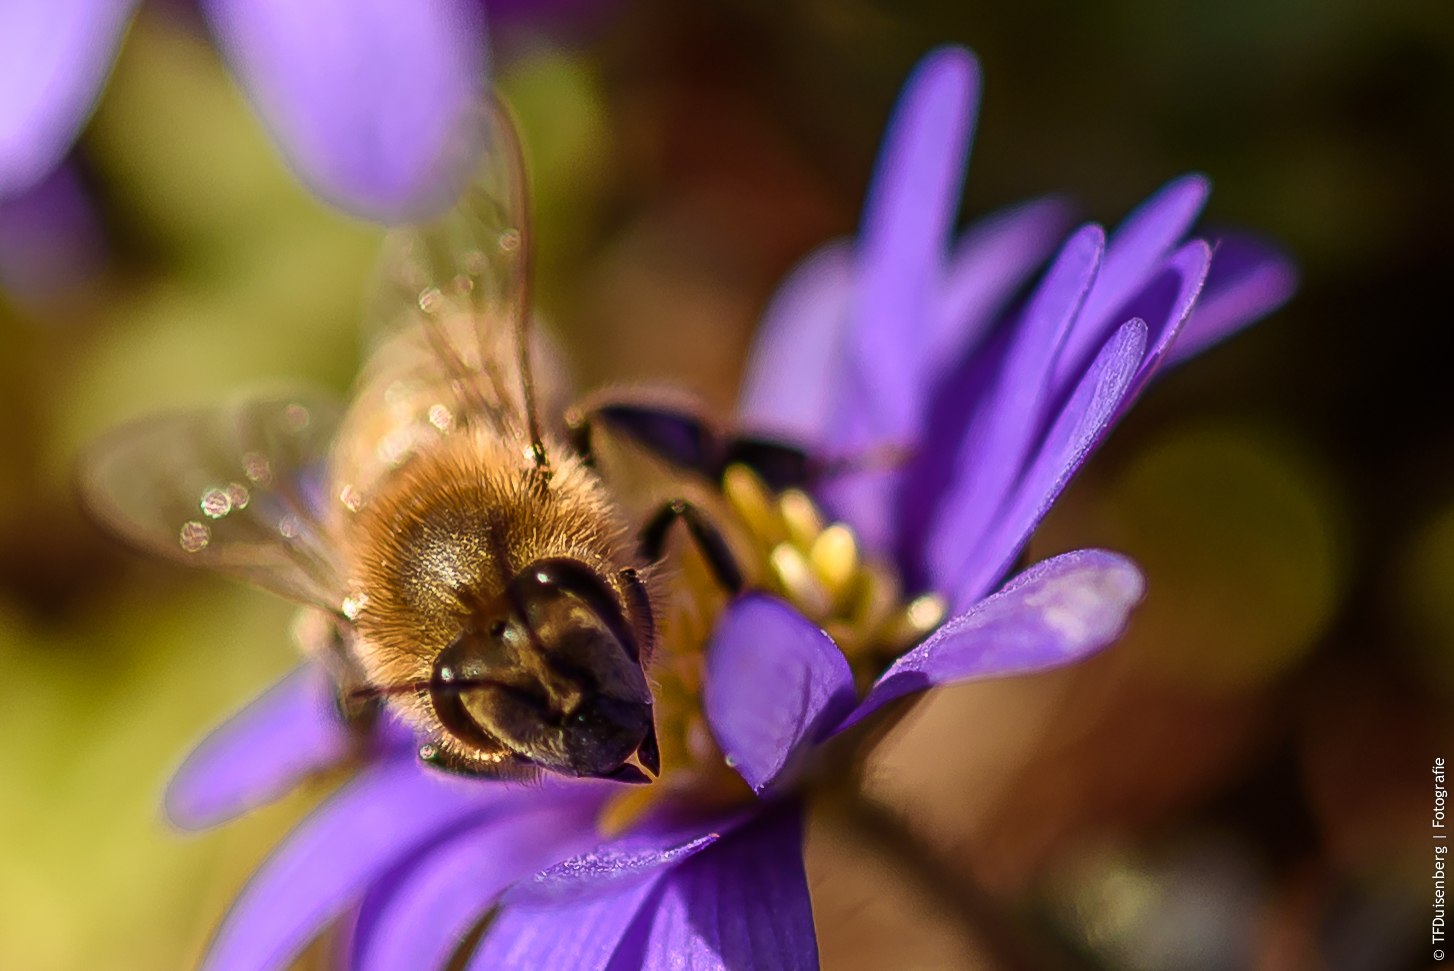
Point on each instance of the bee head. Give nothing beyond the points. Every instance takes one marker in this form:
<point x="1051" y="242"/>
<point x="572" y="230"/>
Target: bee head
<point x="551" y="670"/>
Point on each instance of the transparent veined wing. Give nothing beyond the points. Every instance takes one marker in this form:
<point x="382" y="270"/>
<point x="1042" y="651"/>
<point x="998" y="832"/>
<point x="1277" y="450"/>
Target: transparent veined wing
<point x="461" y="282"/>
<point x="239" y="489"/>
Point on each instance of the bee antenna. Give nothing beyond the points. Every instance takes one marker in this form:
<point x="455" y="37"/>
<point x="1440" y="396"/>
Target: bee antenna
<point x="505" y="122"/>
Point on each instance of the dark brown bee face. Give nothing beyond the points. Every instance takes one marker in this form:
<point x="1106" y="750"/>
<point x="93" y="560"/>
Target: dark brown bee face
<point x="551" y="670"/>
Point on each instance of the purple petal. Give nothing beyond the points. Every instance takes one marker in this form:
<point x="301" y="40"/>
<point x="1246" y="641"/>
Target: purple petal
<point x="370" y="100"/>
<point x="261" y="752"/>
<point x="579" y="914"/>
<point x="1134" y="252"/>
<point x="1166" y="303"/>
<point x="906" y="223"/>
<point x="582" y="937"/>
<point x="420" y="919"/>
<point x="742" y="904"/>
<point x="992" y="259"/>
<point x="54" y="58"/>
<point x="611" y="867"/>
<point x="1004" y="429"/>
<point x="1249" y="279"/>
<point x="790" y="385"/>
<point x="866" y="499"/>
<point x="774" y="685"/>
<point x="1056" y="612"/>
<point x="1069" y="440"/>
<point x="392" y="811"/>
<point x="50" y="239"/>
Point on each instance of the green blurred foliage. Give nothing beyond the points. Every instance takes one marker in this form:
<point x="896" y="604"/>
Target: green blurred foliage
<point x="1424" y="588"/>
<point x="1239" y="543"/>
<point x="92" y="718"/>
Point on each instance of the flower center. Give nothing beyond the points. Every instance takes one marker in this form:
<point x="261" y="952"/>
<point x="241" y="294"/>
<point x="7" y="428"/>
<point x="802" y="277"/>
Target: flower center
<point x="793" y="554"/>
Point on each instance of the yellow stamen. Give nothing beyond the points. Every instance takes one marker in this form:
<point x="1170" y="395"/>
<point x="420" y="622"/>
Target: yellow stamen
<point x="753" y="501"/>
<point x="801" y="518"/>
<point x="834" y="556"/>
<point x="821" y="570"/>
<point x="802" y="586"/>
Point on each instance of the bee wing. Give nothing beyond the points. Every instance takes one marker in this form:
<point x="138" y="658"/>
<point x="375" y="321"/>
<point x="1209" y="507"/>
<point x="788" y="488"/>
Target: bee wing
<point x="238" y="489"/>
<point x="462" y="281"/>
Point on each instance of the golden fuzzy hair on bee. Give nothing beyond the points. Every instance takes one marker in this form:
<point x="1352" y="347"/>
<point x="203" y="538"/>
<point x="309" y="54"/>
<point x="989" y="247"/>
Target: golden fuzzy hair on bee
<point x="452" y="527"/>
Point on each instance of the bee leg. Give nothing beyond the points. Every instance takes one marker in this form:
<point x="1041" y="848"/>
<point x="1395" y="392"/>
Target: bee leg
<point x="681" y="439"/>
<point x="692" y="444"/>
<point x="445" y="760"/>
<point x="710" y="542"/>
<point x="781" y="466"/>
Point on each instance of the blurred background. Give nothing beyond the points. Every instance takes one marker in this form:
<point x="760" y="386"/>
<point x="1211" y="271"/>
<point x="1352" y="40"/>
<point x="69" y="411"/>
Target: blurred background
<point x="1242" y="783"/>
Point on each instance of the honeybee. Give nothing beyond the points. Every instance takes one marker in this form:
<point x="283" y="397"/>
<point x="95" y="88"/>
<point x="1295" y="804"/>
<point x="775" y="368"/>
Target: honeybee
<point x="476" y="571"/>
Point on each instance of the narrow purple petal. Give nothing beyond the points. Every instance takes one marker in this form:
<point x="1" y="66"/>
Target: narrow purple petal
<point x="906" y="223"/>
<point x="1004" y="429"/>
<point x="54" y="58"/>
<point x="419" y="919"/>
<point x="1169" y="300"/>
<point x="774" y="685"/>
<point x="1248" y="279"/>
<point x="790" y="385"/>
<point x="992" y="259"/>
<point x="369" y="99"/>
<point x="392" y="811"/>
<point x="261" y="752"/>
<point x="742" y="904"/>
<point x="1056" y="612"/>
<point x="580" y="914"/>
<point x="1069" y="440"/>
<point x="1134" y="252"/>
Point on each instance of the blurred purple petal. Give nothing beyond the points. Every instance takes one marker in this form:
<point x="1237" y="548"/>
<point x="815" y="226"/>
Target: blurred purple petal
<point x="1002" y="432"/>
<point x="742" y="904"/>
<point x="419" y="918"/>
<point x="1069" y="440"/>
<point x="774" y="685"/>
<point x="1135" y="249"/>
<point x="992" y="259"/>
<point x="389" y="812"/>
<point x="611" y="867"/>
<point x="54" y="57"/>
<point x="262" y="752"/>
<point x="1249" y="279"/>
<point x="1056" y="612"/>
<point x="50" y="238"/>
<point x="906" y="222"/>
<point x="866" y="499"/>
<point x="791" y="382"/>
<point x="370" y="100"/>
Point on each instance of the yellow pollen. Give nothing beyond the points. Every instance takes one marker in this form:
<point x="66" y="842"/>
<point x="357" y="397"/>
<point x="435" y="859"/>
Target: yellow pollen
<point x="821" y="570"/>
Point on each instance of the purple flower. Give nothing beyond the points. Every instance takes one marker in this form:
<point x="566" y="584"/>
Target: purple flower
<point x="370" y="100"/>
<point x="953" y="413"/>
